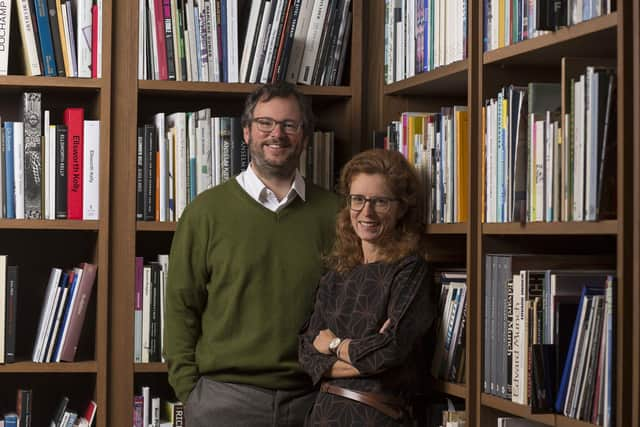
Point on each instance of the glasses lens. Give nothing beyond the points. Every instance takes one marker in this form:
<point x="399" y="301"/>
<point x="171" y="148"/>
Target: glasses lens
<point x="381" y="204"/>
<point x="290" y="127"/>
<point x="265" y="124"/>
<point x="356" y="202"/>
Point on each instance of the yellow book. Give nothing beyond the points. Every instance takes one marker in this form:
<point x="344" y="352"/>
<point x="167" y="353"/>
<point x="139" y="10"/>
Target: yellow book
<point x="63" y="40"/>
<point x="501" y="23"/>
<point x="462" y="158"/>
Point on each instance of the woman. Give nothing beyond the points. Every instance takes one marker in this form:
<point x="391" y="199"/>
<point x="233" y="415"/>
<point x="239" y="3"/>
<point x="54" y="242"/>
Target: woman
<point x="365" y="339"/>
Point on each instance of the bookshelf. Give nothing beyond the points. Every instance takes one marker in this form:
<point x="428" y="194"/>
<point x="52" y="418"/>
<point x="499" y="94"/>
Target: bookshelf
<point x="469" y="82"/>
<point x="38" y="245"/>
<point x="337" y="108"/>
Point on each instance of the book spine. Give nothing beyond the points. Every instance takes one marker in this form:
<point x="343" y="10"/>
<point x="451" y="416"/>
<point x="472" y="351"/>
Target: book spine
<point x="5" y="32"/>
<point x="61" y="172"/>
<point x="64" y="42"/>
<point x="168" y="37"/>
<point x="10" y="197"/>
<point x="91" y="170"/>
<point x="95" y="40"/>
<point x="137" y="347"/>
<point x="70" y="345"/>
<point x="140" y="174"/>
<point x="84" y="22"/>
<point x="74" y="120"/>
<point x="29" y="44"/>
<point x="32" y="119"/>
<point x="11" y="314"/>
<point x="46" y="43"/>
<point x="18" y="168"/>
<point x="160" y="40"/>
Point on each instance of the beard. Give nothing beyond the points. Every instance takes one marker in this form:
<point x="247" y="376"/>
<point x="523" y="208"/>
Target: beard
<point x="280" y="165"/>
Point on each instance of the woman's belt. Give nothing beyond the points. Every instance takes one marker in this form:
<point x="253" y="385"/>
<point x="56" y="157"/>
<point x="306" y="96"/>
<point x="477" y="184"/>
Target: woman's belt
<point x="391" y="406"/>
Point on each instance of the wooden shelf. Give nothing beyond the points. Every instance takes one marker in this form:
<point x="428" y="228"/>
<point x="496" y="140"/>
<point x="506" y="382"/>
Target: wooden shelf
<point x="608" y="227"/>
<point x="53" y="368"/>
<point x="446" y="80"/>
<point x="58" y="224"/>
<point x="591" y="38"/>
<point x="231" y="89"/>
<point x="458" y="228"/>
<point x="155" y="226"/>
<point x="452" y="389"/>
<point x="525" y="412"/>
<point x="22" y="82"/>
<point x="155" y="367"/>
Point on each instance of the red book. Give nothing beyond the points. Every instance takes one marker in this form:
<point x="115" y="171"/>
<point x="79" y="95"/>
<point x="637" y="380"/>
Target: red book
<point x="78" y="312"/>
<point x="74" y="120"/>
<point x="94" y="41"/>
<point x="162" y="48"/>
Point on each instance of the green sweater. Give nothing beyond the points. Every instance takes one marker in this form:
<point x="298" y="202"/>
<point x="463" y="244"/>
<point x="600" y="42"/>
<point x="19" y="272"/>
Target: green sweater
<point x="241" y="284"/>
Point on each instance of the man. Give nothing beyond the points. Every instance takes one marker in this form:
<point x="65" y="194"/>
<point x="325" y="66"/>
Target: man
<point x="244" y="265"/>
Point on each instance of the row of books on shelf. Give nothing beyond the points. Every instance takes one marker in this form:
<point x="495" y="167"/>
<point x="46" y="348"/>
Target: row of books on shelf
<point x="422" y="35"/>
<point x="150" y="287"/>
<point x="437" y="145"/>
<point x="63" y="313"/>
<point x="198" y="40"/>
<point x="531" y="354"/>
<point x="49" y="171"/>
<point x="183" y="154"/>
<point x="149" y="411"/>
<point x="550" y="148"/>
<point x="58" y="37"/>
<point x="507" y="22"/>
<point x="448" y="361"/>
<point x="63" y="417"/>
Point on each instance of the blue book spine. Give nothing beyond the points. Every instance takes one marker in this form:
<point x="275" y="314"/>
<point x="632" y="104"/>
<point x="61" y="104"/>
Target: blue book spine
<point x="9" y="178"/>
<point x="46" y="43"/>
<point x="225" y="49"/>
<point x="11" y="420"/>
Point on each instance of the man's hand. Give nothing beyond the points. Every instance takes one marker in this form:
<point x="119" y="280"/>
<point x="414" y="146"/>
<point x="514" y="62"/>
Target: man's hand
<point x="322" y="340"/>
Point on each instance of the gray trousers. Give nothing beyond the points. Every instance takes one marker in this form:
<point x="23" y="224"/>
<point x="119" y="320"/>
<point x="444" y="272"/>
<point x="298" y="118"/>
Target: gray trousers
<point x="214" y="403"/>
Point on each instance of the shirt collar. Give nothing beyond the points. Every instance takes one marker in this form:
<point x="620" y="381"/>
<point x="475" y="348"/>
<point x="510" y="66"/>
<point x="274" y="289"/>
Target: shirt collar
<point x="255" y="187"/>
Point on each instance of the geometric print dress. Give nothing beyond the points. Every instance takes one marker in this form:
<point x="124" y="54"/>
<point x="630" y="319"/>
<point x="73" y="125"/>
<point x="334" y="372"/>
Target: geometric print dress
<point x="355" y="305"/>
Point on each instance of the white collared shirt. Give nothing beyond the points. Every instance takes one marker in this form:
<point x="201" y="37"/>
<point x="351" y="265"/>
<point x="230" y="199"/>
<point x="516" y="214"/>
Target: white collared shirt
<point x="255" y="188"/>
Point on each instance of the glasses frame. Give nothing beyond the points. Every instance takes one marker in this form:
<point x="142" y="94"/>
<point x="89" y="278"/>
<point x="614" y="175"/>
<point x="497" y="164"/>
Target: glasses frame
<point x="373" y="201"/>
<point x="282" y="123"/>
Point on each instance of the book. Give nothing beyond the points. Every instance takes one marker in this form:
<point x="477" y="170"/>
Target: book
<point x="5" y="33"/>
<point x="3" y="305"/>
<point x="11" y="314"/>
<point x="28" y="30"/>
<point x="23" y="407"/>
<point x="46" y="43"/>
<point x="31" y="115"/>
<point x="18" y="168"/>
<point x="91" y="170"/>
<point x="74" y="121"/>
<point x="55" y="37"/>
<point x="61" y="144"/>
<point x="79" y="311"/>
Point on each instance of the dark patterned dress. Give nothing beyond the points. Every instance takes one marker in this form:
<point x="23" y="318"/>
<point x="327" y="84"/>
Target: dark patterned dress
<point x="355" y="305"/>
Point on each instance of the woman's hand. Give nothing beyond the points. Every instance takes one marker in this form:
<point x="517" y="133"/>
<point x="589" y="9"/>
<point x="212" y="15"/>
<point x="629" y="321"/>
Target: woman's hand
<point x="322" y="340"/>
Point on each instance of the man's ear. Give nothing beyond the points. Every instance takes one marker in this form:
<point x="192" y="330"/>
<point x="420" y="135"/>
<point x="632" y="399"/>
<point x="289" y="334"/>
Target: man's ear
<point x="245" y="133"/>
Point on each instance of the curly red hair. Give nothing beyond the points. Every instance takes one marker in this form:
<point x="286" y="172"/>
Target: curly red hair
<point x="402" y="180"/>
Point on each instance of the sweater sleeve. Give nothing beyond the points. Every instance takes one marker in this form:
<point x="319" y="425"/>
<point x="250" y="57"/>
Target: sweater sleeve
<point x="311" y="360"/>
<point x="186" y="297"/>
<point x="410" y="312"/>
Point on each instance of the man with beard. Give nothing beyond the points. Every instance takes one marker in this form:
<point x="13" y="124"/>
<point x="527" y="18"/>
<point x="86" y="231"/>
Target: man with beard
<point x="244" y="264"/>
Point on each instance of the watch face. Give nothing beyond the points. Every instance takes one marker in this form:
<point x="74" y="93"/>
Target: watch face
<point x="333" y="344"/>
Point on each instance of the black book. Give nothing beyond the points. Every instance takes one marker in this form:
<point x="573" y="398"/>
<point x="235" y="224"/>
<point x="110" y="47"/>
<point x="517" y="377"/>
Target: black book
<point x="325" y="40"/>
<point x="140" y="174"/>
<point x="154" y="324"/>
<point x="607" y="182"/>
<point x="168" y="37"/>
<point x="61" y="171"/>
<point x="543" y="377"/>
<point x="11" y="313"/>
<point x="59" y="414"/>
<point x="181" y="46"/>
<point x="288" y="41"/>
<point x="55" y="37"/>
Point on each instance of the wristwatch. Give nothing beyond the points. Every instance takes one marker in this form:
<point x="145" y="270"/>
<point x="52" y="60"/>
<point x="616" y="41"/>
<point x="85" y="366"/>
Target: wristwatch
<point x="334" y="344"/>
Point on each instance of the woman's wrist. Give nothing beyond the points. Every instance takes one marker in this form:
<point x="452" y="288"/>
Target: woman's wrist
<point x="340" y="348"/>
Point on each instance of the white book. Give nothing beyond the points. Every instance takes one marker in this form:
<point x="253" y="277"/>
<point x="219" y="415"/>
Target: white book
<point x="146" y="403"/>
<point x="18" y="168"/>
<point x="51" y="172"/>
<point x="91" y="170"/>
<point x="29" y="44"/>
<point x="67" y="41"/>
<point x="176" y="43"/>
<point x="142" y="40"/>
<point x="82" y="13"/>
<point x="171" y="197"/>
<point x="591" y="146"/>
<point x="265" y="74"/>
<point x="399" y="42"/>
<point x="3" y="304"/>
<point x="299" y="40"/>
<point x="232" y="41"/>
<point x="207" y="36"/>
<point x="586" y="305"/>
<point x="262" y="39"/>
<point x="312" y="42"/>
<point x="578" y="156"/>
<point x="158" y="120"/>
<point x="5" y="32"/>
<point x="252" y="29"/>
<point x="155" y="412"/>
<point x="410" y="37"/>
<point x="200" y="21"/>
<point x="539" y="170"/>
<point x="203" y="155"/>
<point x="46" y="313"/>
<point x="178" y="121"/>
<point x="146" y="312"/>
<point x="100" y="36"/>
<point x="163" y="259"/>
<point x="192" y="155"/>
<point x="192" y="34"/>
<point x="48" y="213"/>
<point x="217" y="149"/>
<point x="66" y="319"/>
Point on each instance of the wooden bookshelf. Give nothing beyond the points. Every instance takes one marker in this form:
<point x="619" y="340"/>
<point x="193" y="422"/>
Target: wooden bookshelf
<point x="469" y="82"/>
<point x="38" y="245"/>
<point x="452" y="389"/>
<point x="337" y="108"/>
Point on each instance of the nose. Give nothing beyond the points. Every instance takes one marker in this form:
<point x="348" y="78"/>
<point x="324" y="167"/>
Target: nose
<point x="368" y="207"/>
<point x="277" y="130"/>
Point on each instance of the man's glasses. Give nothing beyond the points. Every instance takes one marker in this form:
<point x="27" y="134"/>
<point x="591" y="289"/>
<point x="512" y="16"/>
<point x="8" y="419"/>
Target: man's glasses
<point x="379" y="204"/>
<point x="267" y="124"/>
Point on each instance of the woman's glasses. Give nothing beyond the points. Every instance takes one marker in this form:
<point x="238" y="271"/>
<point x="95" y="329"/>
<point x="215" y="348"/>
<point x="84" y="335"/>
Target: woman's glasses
<point x="381" y="204"/>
